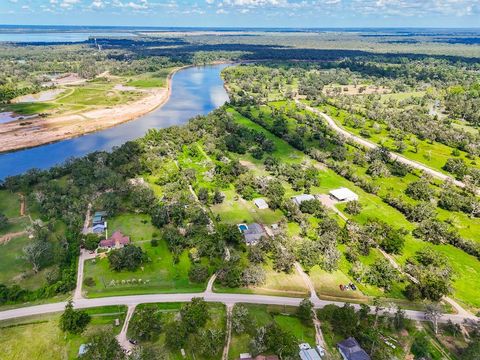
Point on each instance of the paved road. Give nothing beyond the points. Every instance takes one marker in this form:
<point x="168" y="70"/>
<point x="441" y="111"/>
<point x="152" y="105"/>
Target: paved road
<point x="227" y="299"/>
<point x="370" y="145"/>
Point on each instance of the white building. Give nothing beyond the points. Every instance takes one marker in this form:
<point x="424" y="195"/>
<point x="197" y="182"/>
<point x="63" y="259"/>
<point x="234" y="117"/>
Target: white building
<point x="261" y="204"/>
<point x="308" y="353"/>
<point x="343" y="194"/>
<point x="301" y="198"/>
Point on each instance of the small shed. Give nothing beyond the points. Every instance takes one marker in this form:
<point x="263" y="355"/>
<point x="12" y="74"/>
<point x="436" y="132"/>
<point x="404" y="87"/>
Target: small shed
<point x="301" y="198"/>
<point x="82" y="349"/>
<point x="343" y="194"/>
<point x="261" y="204"/>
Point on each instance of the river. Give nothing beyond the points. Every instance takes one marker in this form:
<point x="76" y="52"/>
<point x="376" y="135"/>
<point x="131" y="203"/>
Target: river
<point x="195" y="91"/>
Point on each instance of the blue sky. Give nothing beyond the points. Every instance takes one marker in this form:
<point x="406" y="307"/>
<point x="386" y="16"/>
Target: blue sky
<point x="246" y="13"/>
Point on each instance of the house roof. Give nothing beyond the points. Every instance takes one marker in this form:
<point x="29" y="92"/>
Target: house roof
<point x="261" y="203"/>
<point x="301" y="198"/>
<point x="309" y="354"/>
<point x="343" y="194"/>
<point x="352" y="350"/>
<point x="117" y="238"/>
<point x="253" y="233"/>
<point x="100" y="213"/>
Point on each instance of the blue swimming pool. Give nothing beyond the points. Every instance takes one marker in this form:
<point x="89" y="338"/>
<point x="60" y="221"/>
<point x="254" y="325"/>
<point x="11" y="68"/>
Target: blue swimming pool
<point x="242" y="227"/>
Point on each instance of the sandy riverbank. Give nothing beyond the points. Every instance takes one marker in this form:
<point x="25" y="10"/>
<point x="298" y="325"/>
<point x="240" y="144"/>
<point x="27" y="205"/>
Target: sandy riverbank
<point x="39" y="131"/>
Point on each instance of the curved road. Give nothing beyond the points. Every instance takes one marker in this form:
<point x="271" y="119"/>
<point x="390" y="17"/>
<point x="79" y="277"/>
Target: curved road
<point x="227" y="299"/>
<point x="370" y="145"/>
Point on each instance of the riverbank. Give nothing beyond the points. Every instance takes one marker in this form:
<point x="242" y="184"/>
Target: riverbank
<point x="21" y="134"/>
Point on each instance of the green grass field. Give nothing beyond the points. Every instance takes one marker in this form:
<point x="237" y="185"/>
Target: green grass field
<point x="151" y="80"/>
<point x="40" y="338"/>
<point x="9" y="204"/>
<point x="162" y="274"/>
<point x="29" y="108"/>
<point x="138" y="226"/>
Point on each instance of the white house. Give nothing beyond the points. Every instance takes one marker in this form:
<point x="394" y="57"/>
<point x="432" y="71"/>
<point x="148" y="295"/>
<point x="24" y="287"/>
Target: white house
<point x="343" y="194"/>
<point x="301" y="198"/>
<point x="261" y="204"/>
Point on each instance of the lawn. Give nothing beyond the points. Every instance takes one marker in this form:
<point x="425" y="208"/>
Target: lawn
<point x="40" y="338"/>
<point x="151" y="80"/>
<point x="138" y="226"/>
<point x="14" y="269"/>
<point x="9" y="204"/>
<point x="277" y="283"/>
<point x="263" y="315"/>
<point x="235" y="210"/>
<point x="30" y="108"/>
<point x="160" y="275"/>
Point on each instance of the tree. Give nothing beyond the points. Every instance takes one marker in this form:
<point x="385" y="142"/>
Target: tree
<point x="210" y="342"/>
<point x="305" y="311"/>
<point x="399" y="319"/>
<point x="129" y="258"/>
<point x="175" y="335"/>
<point x="253" y="275"/>
<point x="420" y="190"/>
<point x="103" y="345"/>
<point x="3" y="221"/>
<point x="146" y="323"/>
<point x="36" y="253"/>
<point x="91" y="241"/>
<point x="344" y="320"/>
<point x="198" y="273"/>
<point x="353" y="207"/>
<point x="275" y="193"/>
<point x="194" y="314"/>
<point x="241" y="319"/>
<point x="472" y="350"/>
<point x="433" y="313"/>
<point x="73" y="321"/>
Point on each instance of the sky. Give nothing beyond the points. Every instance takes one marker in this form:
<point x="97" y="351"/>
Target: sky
<point x="244" y="13"/>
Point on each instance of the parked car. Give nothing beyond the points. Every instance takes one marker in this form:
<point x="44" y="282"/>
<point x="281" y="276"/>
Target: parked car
<point x="352" y="286"/>
<point x="133" y="341"/>
<point x="346" y="287"/>
<point x="341" y="287"/>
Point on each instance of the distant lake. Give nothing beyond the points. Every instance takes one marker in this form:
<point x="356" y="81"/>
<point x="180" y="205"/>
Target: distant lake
<point x="195" y="91"/>
<point x="38" y="37"/>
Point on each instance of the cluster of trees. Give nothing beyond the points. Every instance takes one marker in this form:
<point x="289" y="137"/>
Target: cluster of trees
<point x="368" y="329"/>
<point x="128" y="258"/>
<point x="433" y="273"/>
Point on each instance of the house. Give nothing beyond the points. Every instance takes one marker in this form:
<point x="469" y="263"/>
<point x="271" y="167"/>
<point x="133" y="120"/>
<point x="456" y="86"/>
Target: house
<point x="117" y="240"/>
<point x="351" y="350"/>
<point x="301" y="198"/>
<point x="308" y="353"/>
<point x="261" y="204"/>
<point x="343" y="194"/>
<point x="98" y="228"/>
<point x="252" y="232"/>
